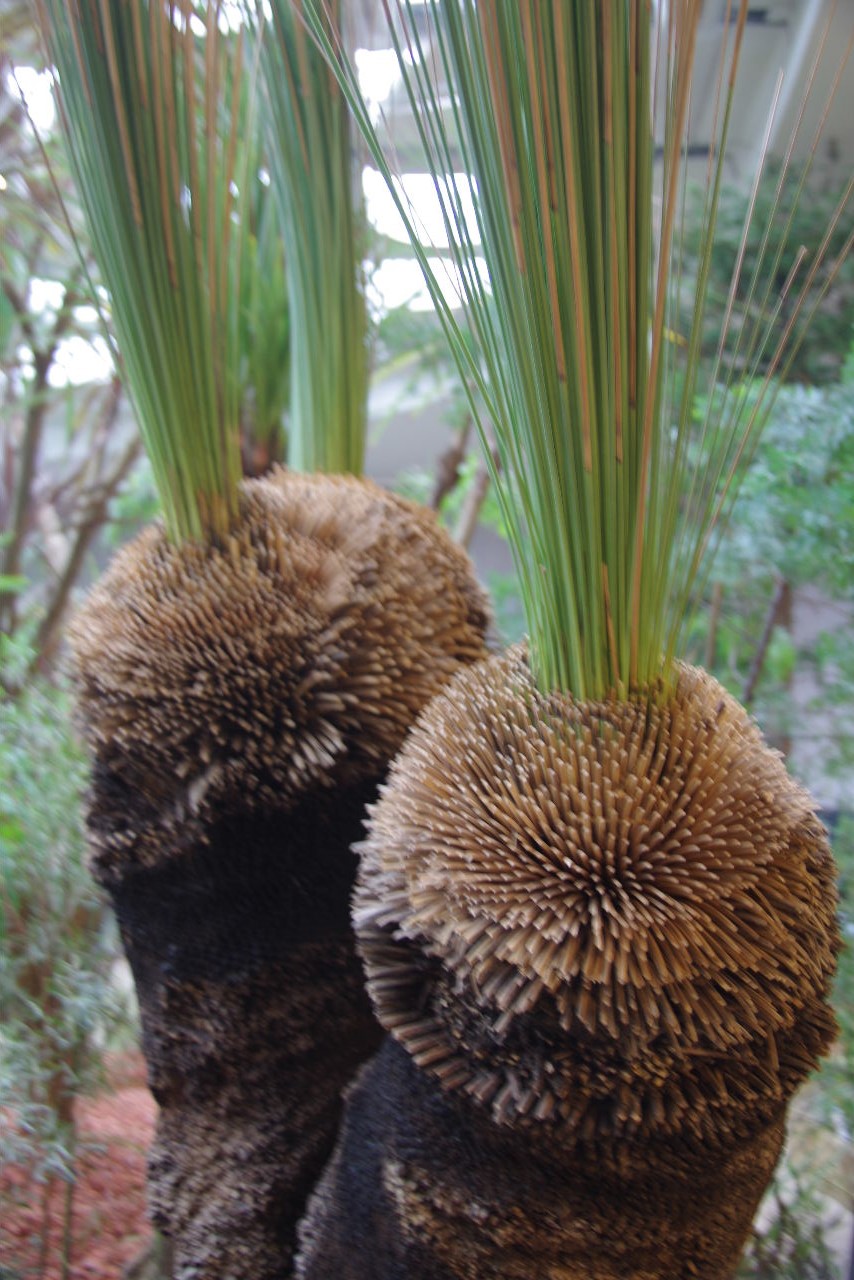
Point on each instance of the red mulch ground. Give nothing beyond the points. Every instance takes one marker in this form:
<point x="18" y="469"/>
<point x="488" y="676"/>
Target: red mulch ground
<point x="110" y="1227"/>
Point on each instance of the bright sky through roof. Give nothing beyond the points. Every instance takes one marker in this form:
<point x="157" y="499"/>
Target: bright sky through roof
<point x="35" y="87"/>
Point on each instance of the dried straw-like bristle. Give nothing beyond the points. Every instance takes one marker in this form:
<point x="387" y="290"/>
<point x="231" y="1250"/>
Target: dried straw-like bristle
<point x="618" y="916"/>
<point x="293" y="655"/>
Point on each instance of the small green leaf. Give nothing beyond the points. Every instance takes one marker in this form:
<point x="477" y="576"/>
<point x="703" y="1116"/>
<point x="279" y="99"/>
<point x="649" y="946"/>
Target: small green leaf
<point x="7" y="324"/>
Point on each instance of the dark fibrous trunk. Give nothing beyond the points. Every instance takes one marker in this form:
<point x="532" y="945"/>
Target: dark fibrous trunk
<point x="242" y="702"/>
<point x="603" y="935"/>
<point x="425" y="1186"/>
<point x="254" y="1019"/>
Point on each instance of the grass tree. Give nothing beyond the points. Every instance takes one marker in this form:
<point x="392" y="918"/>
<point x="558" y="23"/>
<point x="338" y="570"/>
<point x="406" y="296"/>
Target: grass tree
<point x="597" y="916"/>
<point x="247" y="667"/>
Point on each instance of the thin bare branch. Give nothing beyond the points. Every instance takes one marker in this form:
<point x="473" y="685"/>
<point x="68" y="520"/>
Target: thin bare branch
<point x="448" y="466"/>
<point x="475" y="498"/>
<point x="777" y="608"/>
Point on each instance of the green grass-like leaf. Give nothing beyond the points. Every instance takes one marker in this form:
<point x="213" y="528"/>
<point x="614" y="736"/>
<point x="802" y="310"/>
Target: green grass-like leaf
<point x="315" y="187"/>
<point x="153" y="109"/>
<point x="265" y="337"/>
<point x="610" y="489"/>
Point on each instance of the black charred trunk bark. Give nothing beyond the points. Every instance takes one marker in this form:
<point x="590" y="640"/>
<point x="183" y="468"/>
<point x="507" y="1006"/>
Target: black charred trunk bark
<point x="425" y="1186"/>
<point x="254" y="1017"/>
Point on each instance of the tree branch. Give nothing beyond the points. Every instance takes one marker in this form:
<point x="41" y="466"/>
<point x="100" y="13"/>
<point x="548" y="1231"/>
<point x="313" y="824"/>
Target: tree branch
<point x="448" y="468"/>
<point x="473" y="505"/>
<point x="776" y="611"/>
<point x="22" y="496"/>
<point x="94" y="517"/>
<point x="10" y="553"/>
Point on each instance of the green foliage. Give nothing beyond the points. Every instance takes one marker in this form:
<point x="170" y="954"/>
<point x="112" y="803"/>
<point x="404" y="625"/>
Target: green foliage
<point x="265" y="334"/>
<point x="793" y="1245"/>
<point x="796" y="507"/>
<point x="835" y="1080"/>
<point x="316" y="193"/>
<point x="792" y="223"/>
<point x="56" y="943"/>
<point x="153" y="112"/>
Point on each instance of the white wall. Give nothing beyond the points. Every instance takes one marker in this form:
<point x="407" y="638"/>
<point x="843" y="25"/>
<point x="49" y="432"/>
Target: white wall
<point x="781" y="36"/>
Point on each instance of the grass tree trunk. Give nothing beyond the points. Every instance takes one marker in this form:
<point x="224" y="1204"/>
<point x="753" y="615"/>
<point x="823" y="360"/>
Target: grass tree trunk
<point x="601" y="935"/>
<point x="242" y="701"/>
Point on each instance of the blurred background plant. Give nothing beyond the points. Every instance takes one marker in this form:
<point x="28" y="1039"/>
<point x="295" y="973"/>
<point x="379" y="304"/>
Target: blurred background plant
<point x="59" y="1004"/>
<point x="66" y="448"/>
<point x="790" y="1243"/>
<point x="795" y="224"/>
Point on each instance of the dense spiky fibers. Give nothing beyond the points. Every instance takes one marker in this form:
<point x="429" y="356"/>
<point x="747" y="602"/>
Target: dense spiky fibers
<point x="242" y="702"/>
<point x="601" y="935"/>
